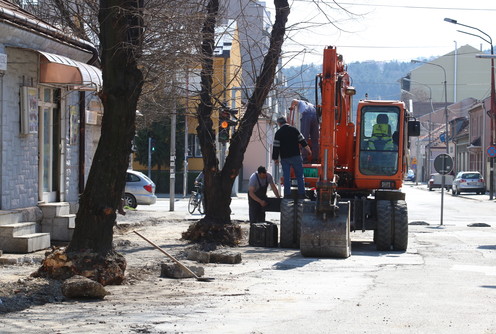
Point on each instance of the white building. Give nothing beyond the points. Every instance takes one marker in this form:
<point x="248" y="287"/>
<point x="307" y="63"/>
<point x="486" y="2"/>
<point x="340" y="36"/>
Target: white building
<point x="49" y="128"/>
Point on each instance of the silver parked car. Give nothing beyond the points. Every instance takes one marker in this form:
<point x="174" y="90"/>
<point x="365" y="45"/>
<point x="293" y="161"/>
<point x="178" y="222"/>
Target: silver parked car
<point x="139" y="189"/>
<point x="468" y="182"/>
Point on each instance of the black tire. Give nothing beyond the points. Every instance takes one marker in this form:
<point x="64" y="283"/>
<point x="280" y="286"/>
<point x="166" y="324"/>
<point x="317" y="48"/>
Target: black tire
<point x="383" y="231"/>
<point x="192" y="204"/>
<point x="130" y="201"/>
<point x="400" y="242"/>
<point x="290" y="234"/>
<point x="453" y="192"/>
<point x="299" y="218"/>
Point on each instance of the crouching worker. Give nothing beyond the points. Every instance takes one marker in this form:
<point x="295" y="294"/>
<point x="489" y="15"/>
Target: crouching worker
<point x="257" y="194"/>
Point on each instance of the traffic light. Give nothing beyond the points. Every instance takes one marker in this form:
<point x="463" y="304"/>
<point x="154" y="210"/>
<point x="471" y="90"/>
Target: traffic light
<point x="152" y="145"/>
<point x="224" y="135"/>
<point x="225" y="122"/>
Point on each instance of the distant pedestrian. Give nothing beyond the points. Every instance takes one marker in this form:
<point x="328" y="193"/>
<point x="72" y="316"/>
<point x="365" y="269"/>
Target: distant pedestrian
<point x="309" y="127"/>
<point x="200" y="186"/>
<point x="287" y="143"/>
<point x="257" y="194"/>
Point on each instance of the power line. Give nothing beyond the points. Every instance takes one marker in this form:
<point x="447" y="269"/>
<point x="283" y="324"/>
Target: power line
<point x="417" y="7"/>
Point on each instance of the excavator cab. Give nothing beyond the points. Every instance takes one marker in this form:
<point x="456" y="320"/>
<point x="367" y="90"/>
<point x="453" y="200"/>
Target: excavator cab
<point x="379" y="140"/>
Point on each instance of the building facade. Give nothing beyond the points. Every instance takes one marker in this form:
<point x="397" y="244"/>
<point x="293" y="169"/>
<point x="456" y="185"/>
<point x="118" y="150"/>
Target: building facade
<point x="467" y="87"/>
<point x="49" y="116"/>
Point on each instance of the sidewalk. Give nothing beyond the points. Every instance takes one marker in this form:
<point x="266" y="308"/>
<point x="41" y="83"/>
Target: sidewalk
<point x="239" y="209"/>
<point x="158" y="212"/>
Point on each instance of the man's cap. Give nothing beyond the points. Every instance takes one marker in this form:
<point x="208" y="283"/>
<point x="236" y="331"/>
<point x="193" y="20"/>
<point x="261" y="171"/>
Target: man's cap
<point x="282" y="120"/>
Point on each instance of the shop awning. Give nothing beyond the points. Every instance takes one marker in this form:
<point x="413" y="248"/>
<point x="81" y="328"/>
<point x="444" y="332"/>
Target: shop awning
<point x="60" y="70"/>
<point x="475" y="144"/>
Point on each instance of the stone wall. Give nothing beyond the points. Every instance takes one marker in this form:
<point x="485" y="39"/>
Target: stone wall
<point x="19" y="170"/>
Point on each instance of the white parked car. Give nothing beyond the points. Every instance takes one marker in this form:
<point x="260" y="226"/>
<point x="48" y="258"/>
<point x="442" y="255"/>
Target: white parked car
<point x="139" y="189"/>
<point x="436" y="181"/>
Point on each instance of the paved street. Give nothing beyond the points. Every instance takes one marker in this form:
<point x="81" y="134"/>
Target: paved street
<point x="444" y="283"/>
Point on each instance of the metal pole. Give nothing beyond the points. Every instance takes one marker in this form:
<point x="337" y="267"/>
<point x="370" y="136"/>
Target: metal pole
<point x="428" y="155"/>
<point x="446" y="138"/>
<point x="443" y="178"/>
<point x="186" y="144"/>
<point x="493" y="114"/>
<point x="149" y="157"/>
<point x="172" y="184"/>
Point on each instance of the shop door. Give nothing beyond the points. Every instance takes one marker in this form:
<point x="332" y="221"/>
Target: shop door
<point x="49" y="139"/>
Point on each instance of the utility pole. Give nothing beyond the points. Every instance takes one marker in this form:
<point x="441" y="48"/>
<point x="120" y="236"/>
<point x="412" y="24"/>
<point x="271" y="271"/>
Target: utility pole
<point x="446" y="137"/>
<point x="172" y="185"/>
<point x="186" y="144"/>
<point x="185" y="162"/>
<point x="149" y="157"/>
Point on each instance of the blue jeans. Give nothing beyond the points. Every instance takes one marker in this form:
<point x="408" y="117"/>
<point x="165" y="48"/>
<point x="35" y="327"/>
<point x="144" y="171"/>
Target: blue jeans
<point x="310" y="130"/>
<point x="297" y="164"/>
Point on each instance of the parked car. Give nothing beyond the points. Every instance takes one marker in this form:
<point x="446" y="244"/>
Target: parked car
<point x="436" y="179"/>
<point x="410" y="176"/>
<point x="468" y="182"/>
<point x="139" y="189"/>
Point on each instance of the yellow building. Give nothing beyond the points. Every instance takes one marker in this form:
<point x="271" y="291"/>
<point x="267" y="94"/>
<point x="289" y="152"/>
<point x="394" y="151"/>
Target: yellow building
<point x="226" y="89"/>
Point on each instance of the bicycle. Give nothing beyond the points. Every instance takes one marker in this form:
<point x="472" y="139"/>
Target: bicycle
<point x="196" y="199"/>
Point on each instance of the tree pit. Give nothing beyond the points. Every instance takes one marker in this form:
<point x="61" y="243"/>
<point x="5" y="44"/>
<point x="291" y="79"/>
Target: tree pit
<point x="106" y="270"/>
<point x="210" y="231"/>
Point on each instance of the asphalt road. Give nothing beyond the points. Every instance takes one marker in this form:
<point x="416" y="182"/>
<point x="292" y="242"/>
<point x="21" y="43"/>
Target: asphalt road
<point x="444" y="283"/>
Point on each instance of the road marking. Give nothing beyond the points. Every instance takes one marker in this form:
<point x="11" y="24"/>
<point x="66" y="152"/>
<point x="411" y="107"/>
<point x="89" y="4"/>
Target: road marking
<point x="488" y="270"/>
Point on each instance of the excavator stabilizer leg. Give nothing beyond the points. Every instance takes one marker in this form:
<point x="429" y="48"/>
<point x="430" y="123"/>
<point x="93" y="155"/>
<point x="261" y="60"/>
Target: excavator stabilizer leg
<point x="325" y="237"/>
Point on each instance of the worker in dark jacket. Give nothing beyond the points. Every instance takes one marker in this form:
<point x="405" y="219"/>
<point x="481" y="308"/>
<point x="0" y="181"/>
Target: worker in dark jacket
<point x="287" y="143"/>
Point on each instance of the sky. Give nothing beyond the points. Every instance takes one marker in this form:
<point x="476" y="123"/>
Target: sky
<point x="384" y="30"/>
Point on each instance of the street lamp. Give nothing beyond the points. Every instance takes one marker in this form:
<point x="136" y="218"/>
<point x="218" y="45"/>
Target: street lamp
<point x="443" y="178"/>
<point x="430" y="123"/>
<point x="445" y="98"/>
<point x="493" y="95"/>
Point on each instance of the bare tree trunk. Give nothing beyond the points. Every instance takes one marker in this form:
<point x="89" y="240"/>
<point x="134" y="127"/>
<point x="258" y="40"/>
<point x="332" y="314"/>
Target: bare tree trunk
<point x="120" y="36"/>
<point x="216" y="226"/>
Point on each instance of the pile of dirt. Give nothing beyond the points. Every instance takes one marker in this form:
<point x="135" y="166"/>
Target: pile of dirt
<point x="27" y="292"/>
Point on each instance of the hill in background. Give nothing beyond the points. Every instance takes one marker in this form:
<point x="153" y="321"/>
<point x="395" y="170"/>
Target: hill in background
<point x="379" y="80"/>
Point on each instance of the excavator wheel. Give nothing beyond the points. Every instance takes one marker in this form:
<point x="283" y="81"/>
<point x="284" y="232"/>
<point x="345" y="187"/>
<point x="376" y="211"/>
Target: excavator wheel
<point x="291" y="216"/>
<point x="382" y="234"/>
<point x="400" y="241"/>
<point x="329" y="237"/>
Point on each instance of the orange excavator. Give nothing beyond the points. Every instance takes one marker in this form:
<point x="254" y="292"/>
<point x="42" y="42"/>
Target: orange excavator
<point x="359" y="178"/>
